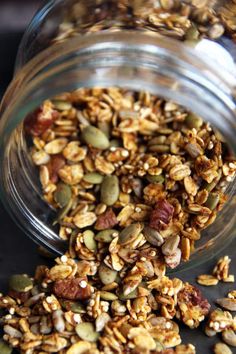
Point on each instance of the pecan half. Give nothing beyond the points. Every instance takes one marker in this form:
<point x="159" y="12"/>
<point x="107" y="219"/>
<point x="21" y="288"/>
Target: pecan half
<point x="72" y="289"/>
<point x="161" y="215"/>
<point x="106" y="220"/>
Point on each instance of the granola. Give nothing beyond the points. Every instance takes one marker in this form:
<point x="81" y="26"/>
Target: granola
<point x="97" y="180"/>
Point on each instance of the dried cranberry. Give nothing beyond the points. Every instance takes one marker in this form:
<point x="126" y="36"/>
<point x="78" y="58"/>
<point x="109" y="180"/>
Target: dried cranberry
<point x="106" y="220"/>
<point x="72" y="289"/>
<point x="37" y="122"/>
<point x="161" y="215"/>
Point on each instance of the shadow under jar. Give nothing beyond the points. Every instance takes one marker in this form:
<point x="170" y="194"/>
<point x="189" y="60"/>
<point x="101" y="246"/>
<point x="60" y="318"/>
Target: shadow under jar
<point x="75" y="47"/>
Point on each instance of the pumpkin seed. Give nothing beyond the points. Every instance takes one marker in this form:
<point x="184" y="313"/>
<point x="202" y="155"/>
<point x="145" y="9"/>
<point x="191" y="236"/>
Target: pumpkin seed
<point x="86" y="331"/>
<point x="93" y="177"/>
<point x="20" y="282"/>
<point x="106" y="295"/>
<point x="62" y="105"/>
<point x="90" y="243"/>
<point x="63" y="211"/>
<point x="153" y="236"/>
<point x="63" y="194"/>
<point x="105" y="128"/>
<point x="192" y="33"/>
<point x="95" y="137"/>
<point x="229" y="337"/>
<point x="110" y="190"/>
<point x="212" y="201"/>
<point x="77" y="307"/>
<point x="105" y="235"/>
<point x="193" y="121"/>
<point x="170" y="245"/>
<point x="130" y="233"/>
<point x="4" y="348"/>
<point x="106" y="275"/>
<point x="155" y="179"/>
<point x="221" y="348"/>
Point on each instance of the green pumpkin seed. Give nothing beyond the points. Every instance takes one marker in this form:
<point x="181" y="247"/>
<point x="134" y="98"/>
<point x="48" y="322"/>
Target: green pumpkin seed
<point x="110" y="190"/>
<point x="4" y="348"/>
<point x="105" y="235"/>
<point x="153" y="236"/>
<point x="106" y="295"/>
<point x="63" y="194"/>
<point x="155" y="179"/>
<point x="90" y="243"/>
<point x="193" y="121"/>
<point x="20" y="282"/>
<point x="77" y="307"/>
<point x="130" y="233"/>
<point x="192" y="33"/>
<point x="95" y="137"/>
<point x="212" y="201"/>
<point x="105" y="128"/>
<point x="93" y="178"/>
<point x="86" y="331"/>
<point x="61" y="105"/>
<point x="106" y="275"/>
<point x="63" y="211"/>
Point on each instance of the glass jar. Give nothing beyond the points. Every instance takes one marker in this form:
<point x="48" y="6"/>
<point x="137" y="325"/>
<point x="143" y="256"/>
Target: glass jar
<point x="75" y="44"/>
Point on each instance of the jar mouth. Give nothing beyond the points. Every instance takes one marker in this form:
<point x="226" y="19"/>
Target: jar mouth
<point x="128" y="59"/>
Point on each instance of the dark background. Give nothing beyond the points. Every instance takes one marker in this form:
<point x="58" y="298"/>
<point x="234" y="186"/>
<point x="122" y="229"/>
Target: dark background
<point x="18" y="254"/>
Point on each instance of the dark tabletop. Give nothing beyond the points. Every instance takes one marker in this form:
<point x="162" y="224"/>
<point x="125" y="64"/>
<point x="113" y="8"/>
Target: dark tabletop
<point x="18" y="254"/>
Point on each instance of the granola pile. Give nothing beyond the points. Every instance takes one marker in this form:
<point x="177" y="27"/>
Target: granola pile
<point x="131" y="175"/>
<point x="133" y="180"/>
<point x="188" y="20"/>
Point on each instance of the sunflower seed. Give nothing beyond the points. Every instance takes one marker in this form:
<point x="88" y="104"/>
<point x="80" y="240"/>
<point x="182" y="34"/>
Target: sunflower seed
<point x="130" y="233"/>
<point x="153" y="236"/>
<point x="106" y="295"/>
<point x="170" y="245"/>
